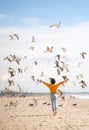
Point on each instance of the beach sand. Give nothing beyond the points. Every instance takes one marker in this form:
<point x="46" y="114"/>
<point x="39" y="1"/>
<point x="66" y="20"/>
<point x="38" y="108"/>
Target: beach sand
<point x="17" y="113"/>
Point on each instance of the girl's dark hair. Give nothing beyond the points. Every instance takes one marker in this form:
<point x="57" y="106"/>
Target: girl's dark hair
<point x="52" y="80"/>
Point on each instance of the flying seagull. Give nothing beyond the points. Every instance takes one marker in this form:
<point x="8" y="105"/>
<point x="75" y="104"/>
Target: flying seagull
<point x="16" y="35"/>
<point x="83" y="83"/>
<point x="11" y="71"/>
<point x="11" y="37"/>
<point x="49" y="49"/>
<point x="64" y="49"/>
<point x="33" y="39"/>
<point x="8" y="58"/>
<point x="83" y="54"/>
<point x="56" y="25"/>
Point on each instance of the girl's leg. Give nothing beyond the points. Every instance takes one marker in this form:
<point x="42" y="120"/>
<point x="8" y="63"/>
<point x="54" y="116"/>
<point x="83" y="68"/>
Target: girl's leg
<point x="55" y="103"/>
<point x="52" y="102"/>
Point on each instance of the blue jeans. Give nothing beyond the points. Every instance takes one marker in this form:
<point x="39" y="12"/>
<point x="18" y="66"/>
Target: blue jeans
<point x="53" y="98"/>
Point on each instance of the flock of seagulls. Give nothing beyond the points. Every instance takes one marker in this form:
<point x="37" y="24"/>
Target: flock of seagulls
<point x="12" y="58"/>
<point x="59" y="64"/>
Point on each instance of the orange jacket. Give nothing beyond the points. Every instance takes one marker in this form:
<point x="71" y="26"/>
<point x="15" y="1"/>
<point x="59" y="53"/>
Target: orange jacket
<point x="53" y="87"/>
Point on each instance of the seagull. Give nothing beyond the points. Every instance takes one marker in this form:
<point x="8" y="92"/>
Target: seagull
<point x="61" y="93"/>
<point x="16" y="35"/>
<point x="83" y="54"/>
<point x="11" y="37"/>
<point x="7" y="89"/>
<point x="33" y="78"/>
<point x="20" y="70"/>
<point x="64" y="57"/>
<point x="11" y="71"/>
<point x="79" y="64"/>
<point x="57" y="63"/>
<point x="79" y="76"/>
<point x="35" y="62"/>
<point x="49" y="49"/>
<point x="35" y="101"/>
<point x="11" y="82"/>
<point x="44" y="103"/>
<point x="18" y="60"/>
<point x="19" y="87"/>
<point x="64" y="77"/>
<point x="83" y="83"/>
<point x="61" y="68"/>
<point x="58" y="71"/>
<point x="25" y="57"/>
<point x="63" y="64"/>
<point x="64" y="49"/>
<point x="73" y="83"/>
<point x="58" y="57"/>
<point x="13" y="57"/>
<point x="74" y="104"/>
<point x="8" y="58"/>
<point x="25" y="69"/>
<point x="32" y="48"/>
<point x="66" y="67"/>
<point x="33" y="39"/>
<point x="56" y="25"/>
<point x="42" y="73"/>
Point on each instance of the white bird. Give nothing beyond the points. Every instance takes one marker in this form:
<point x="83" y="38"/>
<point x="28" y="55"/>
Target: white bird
<point x="33" y="39"/>
<point x="33" y="77"/>
<point x="83" y="54"/>
<point x="64" y="77"/>
<point x="16" y="35"/>
<point x="79" y="64"/>
<point x="32" y="48"/>
<point x="11" y="82"/>
<point x="64" y="49"/>
<point x="73" y="83"/>
<point x="8" y="58"/>
<point x="83" y="83"/>
<point x="18" y="60"/>
<point x="58" y="71"/>
<point x="11" y="37"/>
<point x="66" y="67"/>
<point x="19" y="87"/>
<point x="57" y="56"/>
<point x="42" y="73"/>
<point x="11" y="71"/>
<point x="20" y="70"/>
<point x="49" y="49"/>
<point x="56" y="25"/>
<point x="35" y="62"/>
<point x="57" y="63"/>
<point x="79" y="76"/>
<point x="61" y="93"/>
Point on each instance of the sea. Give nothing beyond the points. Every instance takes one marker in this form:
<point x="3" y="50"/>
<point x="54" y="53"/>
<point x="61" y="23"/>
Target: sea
<point x="79" y="95"/>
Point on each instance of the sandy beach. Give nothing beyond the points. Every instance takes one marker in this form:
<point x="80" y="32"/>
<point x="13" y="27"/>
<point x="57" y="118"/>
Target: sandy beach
<point x="19" y="113"/>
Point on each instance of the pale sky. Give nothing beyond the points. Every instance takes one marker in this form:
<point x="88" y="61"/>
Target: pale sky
<point x="33" y="18"/>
